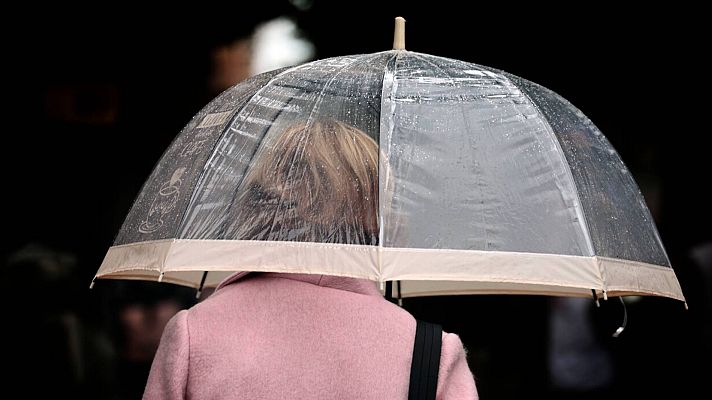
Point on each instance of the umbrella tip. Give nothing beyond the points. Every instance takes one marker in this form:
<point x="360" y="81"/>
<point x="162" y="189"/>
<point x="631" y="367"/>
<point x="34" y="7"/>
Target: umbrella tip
<point x="399" y="34"/>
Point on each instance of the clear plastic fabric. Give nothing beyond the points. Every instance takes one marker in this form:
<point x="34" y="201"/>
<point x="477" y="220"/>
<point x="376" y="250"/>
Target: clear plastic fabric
<point x="395" y="165"/>
<point x="159" y="208"/>
<point x="475" y="166"/>
<point x="619" y="222"/>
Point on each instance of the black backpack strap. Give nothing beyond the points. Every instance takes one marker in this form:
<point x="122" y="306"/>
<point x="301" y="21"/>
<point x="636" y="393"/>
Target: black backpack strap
<point x="426" y="361"/>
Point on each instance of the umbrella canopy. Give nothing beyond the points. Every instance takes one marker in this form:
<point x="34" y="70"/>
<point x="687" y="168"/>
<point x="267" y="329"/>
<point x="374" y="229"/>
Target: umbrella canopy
<point x="448" y="176"/>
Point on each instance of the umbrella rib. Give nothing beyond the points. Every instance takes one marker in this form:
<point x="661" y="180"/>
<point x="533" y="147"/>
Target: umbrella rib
<point x="239" y="186"/>
<point x="200" y="179"/>
<point x="392" y="78"/>
<point x="581" y="213"/>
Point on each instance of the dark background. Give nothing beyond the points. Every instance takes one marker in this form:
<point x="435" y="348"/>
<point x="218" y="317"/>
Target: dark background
<point x="96" y="95"/>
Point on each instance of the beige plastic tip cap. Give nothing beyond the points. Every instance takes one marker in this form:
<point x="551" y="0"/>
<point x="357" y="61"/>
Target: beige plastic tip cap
<point x="399" y="34"/>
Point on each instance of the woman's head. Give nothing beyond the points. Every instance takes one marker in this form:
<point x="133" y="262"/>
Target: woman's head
<point x="317" y="182"/>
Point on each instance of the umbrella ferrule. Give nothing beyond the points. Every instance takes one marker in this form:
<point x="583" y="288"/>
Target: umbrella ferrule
<point x="399" y="34"/>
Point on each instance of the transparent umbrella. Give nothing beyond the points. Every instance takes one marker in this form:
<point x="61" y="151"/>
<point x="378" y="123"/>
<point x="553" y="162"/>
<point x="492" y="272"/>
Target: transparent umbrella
<point x="467" y="180"/>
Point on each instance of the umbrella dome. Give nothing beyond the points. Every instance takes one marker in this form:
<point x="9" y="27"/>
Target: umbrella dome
<point x="484" y="183"/>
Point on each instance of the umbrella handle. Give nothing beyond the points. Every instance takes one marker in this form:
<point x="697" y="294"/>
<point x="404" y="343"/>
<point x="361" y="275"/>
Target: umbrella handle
<point x="625" y="312"/>
<point x="625" y="320"/>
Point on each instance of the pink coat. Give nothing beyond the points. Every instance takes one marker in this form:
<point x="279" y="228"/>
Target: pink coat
<point x="290" y="336"/>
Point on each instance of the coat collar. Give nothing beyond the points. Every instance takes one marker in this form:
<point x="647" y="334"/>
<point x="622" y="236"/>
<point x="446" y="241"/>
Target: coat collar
<point x="362" y="286"/>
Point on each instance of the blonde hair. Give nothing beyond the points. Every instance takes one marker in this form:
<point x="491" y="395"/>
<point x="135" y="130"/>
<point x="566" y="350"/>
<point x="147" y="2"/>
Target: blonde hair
<point x="318" y="182"/>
